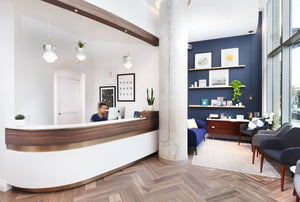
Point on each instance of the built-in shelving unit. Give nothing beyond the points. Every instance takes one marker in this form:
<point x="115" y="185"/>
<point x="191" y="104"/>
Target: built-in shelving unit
<point x="210" y="106"/>
<point x="214" y="68"/>
<point x="242" y="86"/>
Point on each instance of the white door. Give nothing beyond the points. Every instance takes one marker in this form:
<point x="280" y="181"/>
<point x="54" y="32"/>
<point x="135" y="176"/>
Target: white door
<point x="68" y="98"/>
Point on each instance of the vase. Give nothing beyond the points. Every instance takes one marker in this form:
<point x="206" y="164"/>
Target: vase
<point x="20" y="123"/>
<point x="150" y="108"/>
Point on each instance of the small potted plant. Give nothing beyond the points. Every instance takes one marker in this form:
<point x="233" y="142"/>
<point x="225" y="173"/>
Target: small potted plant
<point x="236" y="84"/>
<point x="150" y="100"/>
<point x="80" y="50"/>
<point x="20" y="120"/>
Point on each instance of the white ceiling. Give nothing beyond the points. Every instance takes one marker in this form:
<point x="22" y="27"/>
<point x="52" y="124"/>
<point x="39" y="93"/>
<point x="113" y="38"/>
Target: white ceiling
<point x="211" y="19"/>
<point x="208" y="19"/>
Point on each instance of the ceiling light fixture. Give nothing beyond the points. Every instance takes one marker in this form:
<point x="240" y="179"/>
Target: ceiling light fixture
<point x="49" y="54"/>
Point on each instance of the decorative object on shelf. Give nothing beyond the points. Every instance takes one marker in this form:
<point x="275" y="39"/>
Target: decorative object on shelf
<point x="250" y="115"/>
<point x="218" y="78"/>
<point x="236" y="84"/>
<point x="204" y="102"/>
<point x="20" y="120"/>
<point x="107" y="94"/>
<point x="80" y="51"/>
<point x="240" y="104"/>
<point x="49" y="54"/>
<point x="229" y="103"/>
<point x="126" y="87"/>
<point x="210" y="106"/>
<point x="214" y="102"/>
<point x="127" y="61"/>
<point x="223" y="116"/>
<point x="239" y="117"/>
<point x="202" y="83"/>
<point x="256" y="114"/>
<point x="192" y="85"/>
<point x="195" y="84"/>
<point x="230" y="57"/>
<point x="203" y="60"/>
<point x="150" y="100"/>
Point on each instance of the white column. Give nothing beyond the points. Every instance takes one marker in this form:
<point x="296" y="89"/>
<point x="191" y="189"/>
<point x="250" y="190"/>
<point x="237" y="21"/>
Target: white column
<point x="173" y="81"/>
<point x="7" y="80"/>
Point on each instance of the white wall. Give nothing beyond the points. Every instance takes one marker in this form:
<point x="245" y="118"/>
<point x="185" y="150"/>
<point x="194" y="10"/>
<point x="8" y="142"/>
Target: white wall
<point x="105" y="48"/>
<point x="6" y="80"/>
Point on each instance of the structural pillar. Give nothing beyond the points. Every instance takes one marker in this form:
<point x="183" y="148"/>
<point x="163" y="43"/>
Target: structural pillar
<point x="173" y="39"/>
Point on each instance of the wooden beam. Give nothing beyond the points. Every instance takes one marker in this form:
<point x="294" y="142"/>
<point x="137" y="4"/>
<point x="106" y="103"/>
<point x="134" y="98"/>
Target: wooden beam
<point x="100" y="15"/>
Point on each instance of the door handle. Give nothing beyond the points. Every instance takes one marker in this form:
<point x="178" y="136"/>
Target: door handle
<point x="59" y="113"/>
<point x="213" y="127"/>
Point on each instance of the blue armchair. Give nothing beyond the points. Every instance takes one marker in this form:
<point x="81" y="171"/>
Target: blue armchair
<point x="195" y="135"/>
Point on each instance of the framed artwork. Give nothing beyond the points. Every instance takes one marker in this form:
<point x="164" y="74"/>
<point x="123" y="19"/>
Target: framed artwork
<point x="203" y="60"/>
<point x="204" y="102"/>
<point x="213" y="102"/>
<point x="202" y="83"/>
<point x="218" y="78"/>
<point x="126" y="87"/>
<point x="107" y="94"/>
<point x="230" y="57"/>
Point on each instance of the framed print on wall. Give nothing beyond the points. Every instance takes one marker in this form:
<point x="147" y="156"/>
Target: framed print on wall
<point x="203" y="60"/>
<point x="230" y="57"/>
<point x="126" y="87"/>
<point x="107" y="94"/>
<point x="218" y="78"/>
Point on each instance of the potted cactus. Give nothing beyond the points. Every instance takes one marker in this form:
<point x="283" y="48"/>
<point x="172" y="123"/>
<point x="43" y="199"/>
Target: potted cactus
<point x="150" y="100"/>
<point x="20" y="120"/>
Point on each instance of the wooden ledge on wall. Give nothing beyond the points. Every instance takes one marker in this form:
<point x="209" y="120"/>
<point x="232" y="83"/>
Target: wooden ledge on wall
<point x="100" y="15"/>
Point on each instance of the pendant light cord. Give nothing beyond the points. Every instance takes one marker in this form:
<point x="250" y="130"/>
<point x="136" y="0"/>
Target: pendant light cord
<point x="49" y="24"/>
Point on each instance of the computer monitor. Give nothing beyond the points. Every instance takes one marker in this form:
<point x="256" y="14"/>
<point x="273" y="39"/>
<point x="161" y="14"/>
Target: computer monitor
<point x="113" y="113"/>
<point x="116" y="113"/>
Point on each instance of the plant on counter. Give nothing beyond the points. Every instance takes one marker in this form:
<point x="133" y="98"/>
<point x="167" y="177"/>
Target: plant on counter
<point x="20" y="117"/>
<point x="151" y="99"/>
<point x="236" y="84"/>
<point x="81" y="44"/>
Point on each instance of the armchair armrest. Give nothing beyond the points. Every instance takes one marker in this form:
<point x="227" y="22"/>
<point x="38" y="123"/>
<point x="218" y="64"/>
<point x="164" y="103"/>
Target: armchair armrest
<point x="298" y="167"/>
<point x="200" y="124"/>
<point x="290" y="156"/>
<point x="272" y="143"/>
<point x="243" y="126"/>
<point x="266" y="132"/>
<point x="255" y="130"/>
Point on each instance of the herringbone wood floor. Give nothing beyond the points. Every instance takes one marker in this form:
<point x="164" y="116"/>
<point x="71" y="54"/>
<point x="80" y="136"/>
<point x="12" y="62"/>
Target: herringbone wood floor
<point x="150" y="180"/>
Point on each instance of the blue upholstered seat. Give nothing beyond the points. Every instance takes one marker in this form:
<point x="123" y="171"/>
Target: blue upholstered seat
<point x="195" y="135"/>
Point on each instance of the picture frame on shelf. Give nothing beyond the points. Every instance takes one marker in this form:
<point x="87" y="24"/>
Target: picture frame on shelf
<point x="204" y="102"/>
<point x="229" y="103"/>
<point x="213" y="102"/>
<point x="230" y="57"/>
<point x="203" y="60"/>
<point x="107" y="94"/>
<point x="218" y="78"/>
<point x="126" y="87"/>
<point x="202" y="83"/>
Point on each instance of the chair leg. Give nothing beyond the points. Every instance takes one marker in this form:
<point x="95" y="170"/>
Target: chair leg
<point x="253" y="155"/>
<point x="240" y="138"/>
<point x="257" y="151"/>
<point x="294" y="192"/>
<point x="195" y="150"/>
<point x="297" y="197"/>
<point x="252" y="141"/>
<point x="282" y="176"/>
<point x="261" y="162"/>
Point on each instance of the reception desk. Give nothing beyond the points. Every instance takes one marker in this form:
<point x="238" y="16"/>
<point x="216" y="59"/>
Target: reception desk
<point x="49" y="158"/>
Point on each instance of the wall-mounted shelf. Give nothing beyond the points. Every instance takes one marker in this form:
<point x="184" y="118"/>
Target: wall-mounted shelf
<point x="210" y="106"/>
<point x="242" y="86"/>
<point x="214" y="68"/>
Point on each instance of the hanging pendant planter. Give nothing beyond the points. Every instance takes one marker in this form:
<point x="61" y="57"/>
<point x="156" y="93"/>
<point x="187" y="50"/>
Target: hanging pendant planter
<point x="49" y="54"/>
<point x="80" y="51"/>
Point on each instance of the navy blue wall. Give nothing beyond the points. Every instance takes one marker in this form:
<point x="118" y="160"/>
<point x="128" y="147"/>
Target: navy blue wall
<point x="250" y="54"/>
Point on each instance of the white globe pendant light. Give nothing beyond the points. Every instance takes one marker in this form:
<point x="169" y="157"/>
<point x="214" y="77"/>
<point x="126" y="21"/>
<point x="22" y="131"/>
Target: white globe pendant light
<point x="49" y="54"/>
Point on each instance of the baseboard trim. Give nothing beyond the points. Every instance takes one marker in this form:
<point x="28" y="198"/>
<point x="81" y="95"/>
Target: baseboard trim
<point x="4" y="186"/>
<point x="173" y="162"/>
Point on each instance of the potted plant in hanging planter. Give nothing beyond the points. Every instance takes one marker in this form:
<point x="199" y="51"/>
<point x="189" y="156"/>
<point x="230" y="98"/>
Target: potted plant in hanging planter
<point x="236" y="84"/>
<point x="80" y="50"/>
<point x="150" y="100"/>
<point x="20" y="120"/>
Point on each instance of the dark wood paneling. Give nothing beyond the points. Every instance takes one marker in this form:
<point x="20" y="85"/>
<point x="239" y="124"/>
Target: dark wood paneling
<point x="21" y="137"/>
<point x="100" y="15"/>
<point x="223" y="127"/>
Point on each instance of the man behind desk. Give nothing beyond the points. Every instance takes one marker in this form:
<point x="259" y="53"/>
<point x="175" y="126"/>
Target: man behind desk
<point x="101" y="115"/>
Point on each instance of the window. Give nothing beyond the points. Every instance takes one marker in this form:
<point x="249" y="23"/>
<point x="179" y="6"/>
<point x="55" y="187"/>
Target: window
<point x="276" y="16"/>
<point x="276" y="64"/>
<point x="295" y="84"/>
<point x="295" y="17"/>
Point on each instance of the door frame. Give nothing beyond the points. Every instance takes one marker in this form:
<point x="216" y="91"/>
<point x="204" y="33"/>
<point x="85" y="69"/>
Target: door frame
<point x="71" y="75"/>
